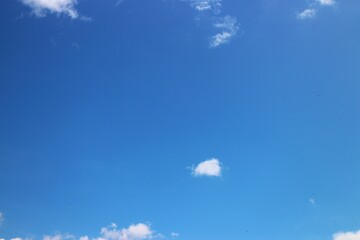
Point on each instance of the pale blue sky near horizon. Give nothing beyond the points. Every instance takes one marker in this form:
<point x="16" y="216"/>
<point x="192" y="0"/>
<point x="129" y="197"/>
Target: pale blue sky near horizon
<point x="106" y="108"/>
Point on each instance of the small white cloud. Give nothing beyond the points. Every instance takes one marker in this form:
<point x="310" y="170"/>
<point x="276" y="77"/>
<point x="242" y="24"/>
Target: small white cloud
<point x="42" y="7"/>
<point x="174" y="234"/>
<point x="206" y="5"/>
<point x="84" y="238"/>
<point x="2" y="238"/>
<point x="347" y="236"/>
<point x="133" y="232"/>
<point x="307" y="14"/>
<point x="211" y="167"/>
<point x="230" y="28"/>
<point x="326" y="2"/>
<point x="312" y="201"/>
<point x="17" y="238"/>
<point x="2" y="219"/>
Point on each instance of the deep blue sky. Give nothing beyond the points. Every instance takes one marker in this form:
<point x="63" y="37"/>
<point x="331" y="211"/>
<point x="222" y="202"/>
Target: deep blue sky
<point x="102" y="120"/>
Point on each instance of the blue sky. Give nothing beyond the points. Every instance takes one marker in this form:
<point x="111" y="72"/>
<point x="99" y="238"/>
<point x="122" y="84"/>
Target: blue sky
<point x="179" y="119"/>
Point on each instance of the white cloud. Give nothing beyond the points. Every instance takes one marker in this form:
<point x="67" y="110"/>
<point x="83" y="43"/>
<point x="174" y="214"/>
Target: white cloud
<point x="133" y="232"/>
<point x="326" y="2"/>
<point x="42" y="7"/>
<point x="2" y="238"/>
<point x="211" y="167"/>
<point x="84" y="238"/>
<point x="17" y="238"/>
<point x="230" y="28"/>
<point x="311" y="11"/>
<point x="307" y="14"/>
<point x="205" y="5"/>
<point x="347" y="236"/>
<point x="2" y="219"/>
<point x="174" y="234"/>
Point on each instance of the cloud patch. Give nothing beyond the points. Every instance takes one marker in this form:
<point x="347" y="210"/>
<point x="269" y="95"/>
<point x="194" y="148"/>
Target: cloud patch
<point x="41" y="8"/>
<point x="306" y="14"/>
<point x="209" y="168"/>
<point x="326" y="2"/>
<point x="312" y="9"/>
<point x="207" y="5"/>
<point x="138" y="231"/>
<point x="347" y="236"/>
<point x="229" y="27"/>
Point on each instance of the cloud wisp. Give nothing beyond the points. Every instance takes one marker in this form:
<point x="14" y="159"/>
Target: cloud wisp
<point x="2" y="219"/>
<point x="207" y="5"/>
<point x="229" y="27"/>
<point x="227" y="24"/>
<point x="312" y="9"/>
<point x="42" y="8"/>
<point x="209" y="168"/>
<point x="347" y="236"/>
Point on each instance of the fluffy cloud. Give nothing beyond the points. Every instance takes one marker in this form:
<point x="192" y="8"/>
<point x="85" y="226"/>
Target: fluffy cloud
<point x="306" y="14"/>
<point x="17" y="238"/>
<point x="347" y="236"/>
<point x="1" y="218"/>
<point x="211" y="167"/>
<point x="42" y="7"/>
<point x="133" y="232"/>
<point x="229" y="27"/>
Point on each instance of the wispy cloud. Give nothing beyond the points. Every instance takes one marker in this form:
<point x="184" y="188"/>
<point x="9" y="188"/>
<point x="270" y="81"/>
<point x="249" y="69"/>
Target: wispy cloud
<point x="119" y="2"/>
<point x="229" y="27"/>
<point x="210" y="168"/>
<point x="59" y="236"/>
<point x="207" y="5"/>
<point x="306" y="14"/>
<point x="2" y="219"/>
<point x="174" y="234"/>
<point x="347" y="236"/>
<point x="326" y="2"/>
<point x="41" y="8"/>
<point x="312" y="201"/>
<point x="312" y="9"/>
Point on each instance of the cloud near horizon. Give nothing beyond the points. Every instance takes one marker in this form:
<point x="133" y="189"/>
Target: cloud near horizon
<point x="347" y="236"/>
<point x="140" y="231"/>
<point x="210" y="168"/>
